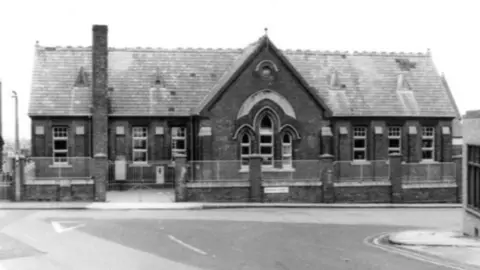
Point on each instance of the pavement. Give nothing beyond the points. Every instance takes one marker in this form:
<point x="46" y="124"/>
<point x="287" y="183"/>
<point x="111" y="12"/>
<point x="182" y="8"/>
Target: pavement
<point x="198" y="206"/>
<point x="446" y="244"/>
<point x="246" y="238"/>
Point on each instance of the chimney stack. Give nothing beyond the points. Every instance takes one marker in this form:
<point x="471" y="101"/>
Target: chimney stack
<point x="100" y="89"/>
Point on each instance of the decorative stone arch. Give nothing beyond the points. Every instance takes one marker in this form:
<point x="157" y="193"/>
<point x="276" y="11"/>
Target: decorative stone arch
<point x="257" y="97"/>
<point x="245" y="128"/>
<point x="267" y="111"/>
<point x="291" y="130"/>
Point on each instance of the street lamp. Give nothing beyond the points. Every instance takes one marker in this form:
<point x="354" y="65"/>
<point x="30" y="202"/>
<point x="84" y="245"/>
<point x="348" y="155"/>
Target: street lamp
<point x="17" y="140"/>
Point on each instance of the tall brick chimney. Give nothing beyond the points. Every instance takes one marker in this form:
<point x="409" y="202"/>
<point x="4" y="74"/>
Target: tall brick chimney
<point x="100" y="89"/>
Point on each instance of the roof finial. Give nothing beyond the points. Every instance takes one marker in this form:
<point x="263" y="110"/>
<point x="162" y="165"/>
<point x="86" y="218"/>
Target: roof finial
<point x="266" y="31"/>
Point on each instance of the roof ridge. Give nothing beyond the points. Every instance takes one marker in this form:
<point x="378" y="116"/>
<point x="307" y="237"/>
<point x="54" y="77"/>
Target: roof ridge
<point x="202" y="49"/>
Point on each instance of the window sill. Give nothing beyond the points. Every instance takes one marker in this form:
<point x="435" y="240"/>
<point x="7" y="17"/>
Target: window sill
<point x="140" y="164"/>
<point x="428" y="161"/>
<point x="246" y="170"/>
<point x="360" y="162"/>
<point x="60" y="166"/>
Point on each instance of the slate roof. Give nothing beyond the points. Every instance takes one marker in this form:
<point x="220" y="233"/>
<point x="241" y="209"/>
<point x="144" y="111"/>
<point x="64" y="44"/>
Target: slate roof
<point x="190" y="76"/>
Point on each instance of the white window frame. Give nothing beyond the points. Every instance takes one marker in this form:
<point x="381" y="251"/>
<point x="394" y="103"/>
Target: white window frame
<point x="143" y="131"/>
<point x="248" y="146"/>
<point x="179" y="134"/>
<point x="395" y="133"/>
<point x="263" y="132"/>
<point x="60" y="134"/>
<point x="428" y="133"/>
<point x="287" y="150"/>
<point x="359" y="133"/>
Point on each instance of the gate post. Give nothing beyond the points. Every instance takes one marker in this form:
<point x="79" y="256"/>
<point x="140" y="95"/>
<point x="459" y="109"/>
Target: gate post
<point x="326" y="176"/>
<point x="100" y="171"/>
<point x="180" y="178"/>
<point x="395" y="175"/>
<point x="255" y="178"/>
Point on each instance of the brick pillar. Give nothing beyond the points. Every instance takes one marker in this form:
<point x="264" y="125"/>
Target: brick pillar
<point x="414" y="147"/>
<point x="458" y="160"/>
<point x="327" y="177"/>
<point x="100" y="176"/>
<point x="205" y="137"/>
<point x="180" y="178"/>
<point x="395" y="175"/>
<point x="446" y="144"/>
<point x="255" y="178"/>
<point x="327" y="140"/>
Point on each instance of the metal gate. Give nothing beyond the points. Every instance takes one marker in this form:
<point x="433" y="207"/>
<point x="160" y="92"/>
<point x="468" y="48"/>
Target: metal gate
<point x="6" y="186"/>
<point x="140" y="182"/>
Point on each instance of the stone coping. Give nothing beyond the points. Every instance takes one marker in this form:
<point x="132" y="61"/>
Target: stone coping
<point x="61" y="182"/>
<point x="362" y="183"/>
<point x="219" y="184"/>
<point x="291" y="184"/>
<point x="429" y="185"/>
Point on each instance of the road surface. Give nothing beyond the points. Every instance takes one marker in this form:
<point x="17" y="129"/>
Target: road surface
<point x="212" y="239"/>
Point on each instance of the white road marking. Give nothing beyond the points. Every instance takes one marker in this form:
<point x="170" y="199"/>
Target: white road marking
<point x="59" y="228"/>
<point x="187" y="245"/>
<point x="375" y="243"/>
<point x="29" y="237"/>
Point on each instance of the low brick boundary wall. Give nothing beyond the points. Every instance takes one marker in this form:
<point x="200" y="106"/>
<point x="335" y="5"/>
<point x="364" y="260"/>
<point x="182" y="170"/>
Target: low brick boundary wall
<point x="56" y="190"/>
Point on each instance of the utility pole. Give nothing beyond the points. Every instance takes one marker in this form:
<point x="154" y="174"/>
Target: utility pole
<point x="17" y="139"/>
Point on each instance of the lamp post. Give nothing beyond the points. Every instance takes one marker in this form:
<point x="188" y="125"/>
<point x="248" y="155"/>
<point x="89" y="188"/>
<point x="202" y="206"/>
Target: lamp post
<point x="17" y="140"/>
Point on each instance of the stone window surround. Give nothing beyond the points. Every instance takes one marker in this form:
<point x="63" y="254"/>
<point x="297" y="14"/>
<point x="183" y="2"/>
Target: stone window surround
<point x="136" y="137"/>
<point x="60" y="133"/>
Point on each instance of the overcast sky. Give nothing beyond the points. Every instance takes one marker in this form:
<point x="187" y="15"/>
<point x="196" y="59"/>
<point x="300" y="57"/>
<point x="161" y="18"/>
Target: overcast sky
<point x="449" y="28"/>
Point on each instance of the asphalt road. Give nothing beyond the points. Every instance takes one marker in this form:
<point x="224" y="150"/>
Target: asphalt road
<point x="227" y="240"/>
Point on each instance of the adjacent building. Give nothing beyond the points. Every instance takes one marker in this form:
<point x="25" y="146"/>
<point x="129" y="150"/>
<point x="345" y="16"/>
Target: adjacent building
<point x="471" y="175"/>
<point x="148" y="105"/>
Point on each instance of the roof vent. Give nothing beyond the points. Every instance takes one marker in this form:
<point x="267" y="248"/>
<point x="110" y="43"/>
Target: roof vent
<point x="173" y="93"/>
<point x="81" y="80"/>
<point x="171" y="109"/>
<point x="334" y="80"/>
<point x="193" y="74"/>
<point x="158" y="79"/>
<point x="402" y="83"/>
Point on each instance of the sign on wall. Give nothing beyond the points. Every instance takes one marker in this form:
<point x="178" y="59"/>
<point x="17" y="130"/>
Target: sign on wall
<point x="275" y="189"/>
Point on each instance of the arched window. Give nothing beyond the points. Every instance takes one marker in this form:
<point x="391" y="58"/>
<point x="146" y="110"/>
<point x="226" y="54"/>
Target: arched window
<point x="266" y="141"/>
<point x="287" y="150"/>
<point x="245" y="150"/>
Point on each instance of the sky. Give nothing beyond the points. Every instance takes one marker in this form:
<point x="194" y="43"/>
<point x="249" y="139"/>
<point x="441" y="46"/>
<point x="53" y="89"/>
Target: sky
<point x="449" y="28"/>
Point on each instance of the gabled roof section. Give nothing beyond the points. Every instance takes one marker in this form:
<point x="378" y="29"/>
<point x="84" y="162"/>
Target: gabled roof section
<point x="193" y="78"/>
<point x="238" y="66"/>
<point x="82" y="80"/>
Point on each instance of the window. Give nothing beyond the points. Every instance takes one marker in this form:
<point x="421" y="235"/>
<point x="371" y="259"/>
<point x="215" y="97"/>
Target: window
<point x="60" y="145"/>
<point x="428" y="143"/>
<point x="245" y="150"/>
<point x="179" y="141"/>
<point x="287" y="151"/>
<point x="266" y="141"/>
<point x="394" y="140"/>
<point x="140" y="146"/>
<point x="359" y="143"/>
<point x="473" y="177"/>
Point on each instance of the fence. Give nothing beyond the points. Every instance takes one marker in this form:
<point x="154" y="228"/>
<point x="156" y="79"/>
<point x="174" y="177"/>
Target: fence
<point x="415" y="173"/>
<point x="299" y="170"/>
<point x="6" y="182"/>
<point x="351" y="171"/>
<point x="44" y="168"/>
<point x="216" y="170"/>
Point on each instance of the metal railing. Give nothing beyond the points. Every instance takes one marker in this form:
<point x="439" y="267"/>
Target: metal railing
<point x="441" y="172"/>
<point x="216" y="170"/>
<point x="298" y="170"/>
<point x="361" y="171"/>
<point x="44" y="168"/>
